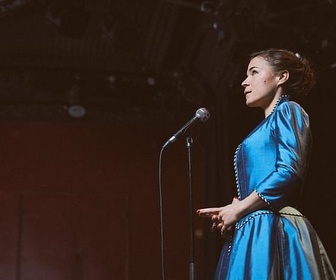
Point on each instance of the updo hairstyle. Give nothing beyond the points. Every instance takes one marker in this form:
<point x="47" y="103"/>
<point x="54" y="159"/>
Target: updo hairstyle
<point x="301" y="75"/>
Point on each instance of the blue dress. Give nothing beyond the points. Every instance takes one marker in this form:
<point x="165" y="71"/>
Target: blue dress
<point x="277" y="242"/>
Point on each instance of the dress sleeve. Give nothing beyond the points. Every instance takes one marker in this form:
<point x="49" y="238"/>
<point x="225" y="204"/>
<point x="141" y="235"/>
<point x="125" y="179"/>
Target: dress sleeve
<point x="292" y="136"/>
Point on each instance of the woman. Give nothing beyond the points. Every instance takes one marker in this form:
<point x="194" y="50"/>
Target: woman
<point x="265" y="236"/>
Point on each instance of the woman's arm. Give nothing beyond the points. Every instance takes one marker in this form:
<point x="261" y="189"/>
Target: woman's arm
<point x="225" y="217"/>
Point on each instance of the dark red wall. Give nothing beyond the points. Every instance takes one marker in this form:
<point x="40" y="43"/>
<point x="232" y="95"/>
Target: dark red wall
<point x="80" y="201"/>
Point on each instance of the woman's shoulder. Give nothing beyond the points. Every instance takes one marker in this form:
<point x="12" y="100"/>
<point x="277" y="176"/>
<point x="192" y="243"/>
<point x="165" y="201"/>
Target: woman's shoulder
<point x="289" y="108"/>
<point x="291" y="114"/>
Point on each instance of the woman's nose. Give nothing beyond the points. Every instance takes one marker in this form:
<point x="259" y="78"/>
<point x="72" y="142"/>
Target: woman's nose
<point x="244" y="83"/>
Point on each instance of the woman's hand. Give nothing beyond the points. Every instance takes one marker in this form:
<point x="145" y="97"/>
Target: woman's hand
<point x="223" y="218"/>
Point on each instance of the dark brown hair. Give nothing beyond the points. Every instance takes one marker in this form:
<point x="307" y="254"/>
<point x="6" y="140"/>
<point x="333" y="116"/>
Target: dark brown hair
<point x="301" y="75"/>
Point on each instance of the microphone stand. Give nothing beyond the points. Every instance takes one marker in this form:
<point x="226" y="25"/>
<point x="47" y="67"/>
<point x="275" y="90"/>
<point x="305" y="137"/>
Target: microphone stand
<point x="192" y="266"/>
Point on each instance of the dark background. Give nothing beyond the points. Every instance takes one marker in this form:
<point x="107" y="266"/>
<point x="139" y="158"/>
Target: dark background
<point x="140" y="69"/>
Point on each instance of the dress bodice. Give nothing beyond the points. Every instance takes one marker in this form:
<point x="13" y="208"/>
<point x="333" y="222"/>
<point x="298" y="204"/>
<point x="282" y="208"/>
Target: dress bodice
<point x="272" y="159"/>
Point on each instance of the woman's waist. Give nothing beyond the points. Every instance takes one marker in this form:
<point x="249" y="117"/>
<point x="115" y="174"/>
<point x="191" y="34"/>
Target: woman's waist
<point x="285" y="211"/>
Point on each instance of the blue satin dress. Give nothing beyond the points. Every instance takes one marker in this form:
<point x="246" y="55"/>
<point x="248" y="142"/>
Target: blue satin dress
<point x="277" y="242"/>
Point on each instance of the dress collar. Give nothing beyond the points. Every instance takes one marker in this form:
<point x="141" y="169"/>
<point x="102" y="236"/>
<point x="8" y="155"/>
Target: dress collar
<point x="281" y="99"/>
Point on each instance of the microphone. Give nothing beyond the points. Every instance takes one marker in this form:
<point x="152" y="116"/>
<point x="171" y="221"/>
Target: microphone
<point x="201" y="114"/>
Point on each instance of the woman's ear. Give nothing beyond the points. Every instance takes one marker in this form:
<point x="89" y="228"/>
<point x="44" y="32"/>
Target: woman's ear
<point x="283" y="77"/>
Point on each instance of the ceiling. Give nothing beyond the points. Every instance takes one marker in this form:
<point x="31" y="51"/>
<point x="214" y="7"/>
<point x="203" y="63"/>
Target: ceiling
<point x="145" y="59"/>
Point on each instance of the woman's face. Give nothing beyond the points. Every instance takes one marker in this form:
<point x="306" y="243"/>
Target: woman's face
<point x="261" y="84"/>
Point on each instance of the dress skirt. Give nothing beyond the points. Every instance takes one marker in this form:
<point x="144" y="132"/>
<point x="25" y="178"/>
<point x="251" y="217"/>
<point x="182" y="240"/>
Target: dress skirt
<point x="274" y="246"/>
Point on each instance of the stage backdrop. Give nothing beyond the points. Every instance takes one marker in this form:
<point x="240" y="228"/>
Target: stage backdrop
<point x="80" y="200"/>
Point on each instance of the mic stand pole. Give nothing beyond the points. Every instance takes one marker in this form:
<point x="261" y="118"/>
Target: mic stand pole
<point x="192" y="266"/>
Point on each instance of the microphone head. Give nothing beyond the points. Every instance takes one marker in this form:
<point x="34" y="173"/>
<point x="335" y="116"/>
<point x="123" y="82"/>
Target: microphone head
<point x="203" y="114"/>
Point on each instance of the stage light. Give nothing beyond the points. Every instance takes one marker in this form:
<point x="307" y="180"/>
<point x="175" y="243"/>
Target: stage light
<point x="75" y="107"/>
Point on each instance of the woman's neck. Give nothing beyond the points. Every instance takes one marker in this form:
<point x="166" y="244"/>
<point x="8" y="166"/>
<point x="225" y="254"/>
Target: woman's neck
<point x="272" y="105"/>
